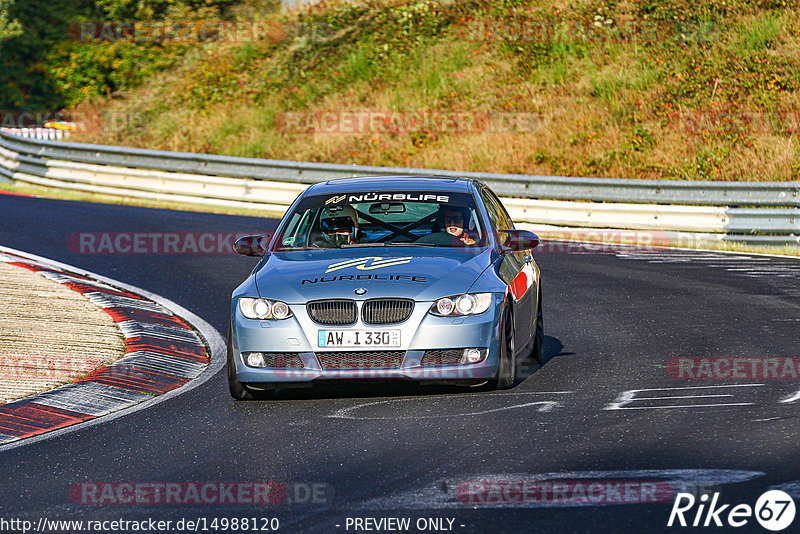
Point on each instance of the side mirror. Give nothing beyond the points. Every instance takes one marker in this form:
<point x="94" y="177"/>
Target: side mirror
<point x="250" y="245"/>
<point x="517" y="240"/>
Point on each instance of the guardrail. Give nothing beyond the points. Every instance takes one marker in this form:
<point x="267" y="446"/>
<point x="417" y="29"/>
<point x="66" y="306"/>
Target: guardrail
<point x="53" y="134"/>
<point x="772" y="215"/>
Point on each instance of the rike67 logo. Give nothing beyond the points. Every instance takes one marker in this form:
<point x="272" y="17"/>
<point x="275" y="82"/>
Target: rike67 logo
<point x="774" y="510"/>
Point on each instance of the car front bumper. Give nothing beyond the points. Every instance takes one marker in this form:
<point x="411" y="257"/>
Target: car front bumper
<point x="297" y="336"/>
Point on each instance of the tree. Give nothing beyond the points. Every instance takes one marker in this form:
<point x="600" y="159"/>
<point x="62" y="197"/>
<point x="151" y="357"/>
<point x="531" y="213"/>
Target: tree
<point x="8" y="27"/>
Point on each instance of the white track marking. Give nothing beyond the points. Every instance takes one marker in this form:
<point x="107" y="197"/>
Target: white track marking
<point x="629" y="397"/>
<point x="62" y="278"/>
<point x="215" y="342"/>
<point x="90" y="398"/>
<point x="772" y="267"/>
<point x="637" y="250"/>
<point x="163" y="364"/>
<point x="766" y="268"/>
<point x="543" y="406"/>
<point x="138" y="329"/>
<point x="104" y="300"/>
<point x="791" y="398"/>
<point x="685" y="406"/>
<point x="682" y="397"/>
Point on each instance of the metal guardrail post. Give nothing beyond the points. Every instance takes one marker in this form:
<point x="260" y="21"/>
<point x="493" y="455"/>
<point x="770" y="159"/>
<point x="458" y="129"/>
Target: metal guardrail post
<point x="717" y="207"/>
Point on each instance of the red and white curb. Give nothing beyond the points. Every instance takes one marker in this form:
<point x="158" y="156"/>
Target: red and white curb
<point x="169" y="350"/>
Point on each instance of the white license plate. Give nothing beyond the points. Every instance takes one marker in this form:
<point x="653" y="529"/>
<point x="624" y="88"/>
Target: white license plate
<point x="359" y="338"/>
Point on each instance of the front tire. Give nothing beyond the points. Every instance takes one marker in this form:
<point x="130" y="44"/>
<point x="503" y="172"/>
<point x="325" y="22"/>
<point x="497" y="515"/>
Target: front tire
<point x="506" y="368"/>
<point x="538" y="333"/>
<point x="236" y="388"/>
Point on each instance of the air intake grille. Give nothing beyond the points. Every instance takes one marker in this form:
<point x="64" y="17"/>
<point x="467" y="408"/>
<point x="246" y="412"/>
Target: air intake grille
<point x="442" y="357"/>
<point x="386" y="311"/>
<point x="286" y="360"/>
<point x="361" y="360"/>
<point x="332" y="312"/>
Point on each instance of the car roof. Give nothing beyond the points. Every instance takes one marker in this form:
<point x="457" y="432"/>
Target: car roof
<point x="393" y="183"/>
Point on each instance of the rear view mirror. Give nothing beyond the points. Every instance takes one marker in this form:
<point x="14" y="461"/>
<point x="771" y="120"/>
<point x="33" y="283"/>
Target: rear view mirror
<point x="517" y="240"/>
<point x="250" y="245"/>
<point x="387" y="207"/>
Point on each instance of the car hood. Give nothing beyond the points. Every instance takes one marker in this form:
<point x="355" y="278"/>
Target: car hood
<point x="418" y="273"/>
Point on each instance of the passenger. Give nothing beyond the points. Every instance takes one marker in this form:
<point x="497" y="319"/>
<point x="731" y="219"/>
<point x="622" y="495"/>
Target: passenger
<point x="453" y="222"/>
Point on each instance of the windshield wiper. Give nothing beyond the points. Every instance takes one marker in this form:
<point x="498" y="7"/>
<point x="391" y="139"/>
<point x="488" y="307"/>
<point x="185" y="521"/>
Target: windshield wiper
<point x="410" y="244"/>
<point x="362" y="245"/>
<point x="389" y="244"/>
<point x="313" y="246"/>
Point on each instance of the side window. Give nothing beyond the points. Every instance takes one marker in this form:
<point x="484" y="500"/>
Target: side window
<point x="291" y="231"/>
<point x="497" y="213"/>
<point x="303" y="228"/>
<point x="298" y="236"/>
<point x="505" y="218"/>
<point x="491" y="207"/>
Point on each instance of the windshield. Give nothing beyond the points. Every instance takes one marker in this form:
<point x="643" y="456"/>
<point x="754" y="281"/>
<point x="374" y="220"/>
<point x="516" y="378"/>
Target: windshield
<point x="391" y="218"/>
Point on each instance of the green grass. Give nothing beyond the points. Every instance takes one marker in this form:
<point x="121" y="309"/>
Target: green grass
<point x="360" y="64"/>
<point x="699" y="57"/>
<point x="760" y="32"/>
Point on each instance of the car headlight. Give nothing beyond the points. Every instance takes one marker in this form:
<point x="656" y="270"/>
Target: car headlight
<point x="264" y="309"/>
<point x="468" y="304"/>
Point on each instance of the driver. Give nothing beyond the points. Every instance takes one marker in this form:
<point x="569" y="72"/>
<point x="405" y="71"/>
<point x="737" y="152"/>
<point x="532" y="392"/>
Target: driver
<point x="453" y="221"/>
<point x="339" y="226"/>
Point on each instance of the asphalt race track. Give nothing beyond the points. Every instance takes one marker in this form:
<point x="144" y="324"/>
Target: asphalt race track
<point x="605" y="408"/>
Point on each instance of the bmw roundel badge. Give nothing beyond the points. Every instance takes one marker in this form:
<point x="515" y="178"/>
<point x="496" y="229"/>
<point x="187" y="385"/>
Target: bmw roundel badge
<point x="360" y="291"/>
